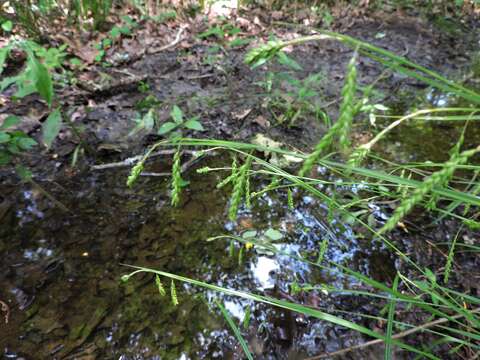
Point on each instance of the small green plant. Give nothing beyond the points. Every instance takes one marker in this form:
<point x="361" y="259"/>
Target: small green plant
<point x="115" y="34"/>
<point x="6" y="25"/>
<point x="13" y="142"/>
<point x="36" y="76"/>
<point x="174" y="128"/>
<point x="301" y="101"/>
<point x="227" y="34"/>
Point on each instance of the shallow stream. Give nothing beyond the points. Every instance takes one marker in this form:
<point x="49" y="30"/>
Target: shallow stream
<point x="60" y="274"/>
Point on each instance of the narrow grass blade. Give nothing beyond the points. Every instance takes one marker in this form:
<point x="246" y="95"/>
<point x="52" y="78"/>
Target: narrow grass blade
<point x="391" y="315"/>
<point x="235" y="330"/>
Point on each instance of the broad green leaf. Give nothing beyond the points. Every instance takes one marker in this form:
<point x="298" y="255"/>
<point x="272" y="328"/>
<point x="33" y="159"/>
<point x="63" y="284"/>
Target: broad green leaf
<point x="4" y="138"/>
<point x="25" y="89"/>
<point x="13" y="148"/>
<point x="166" y="128"/>
<point x="273" y="234"/>
<point x="177" y="114"/>
<point x="287" y="61"/>
<point x="51" y="127"/>
<point x="41" y="79"/>
<point x="100" y="56"/>
<point x="5" y="83"/>
<point x="3" y="56"/>
<point x="215" y="31"/>
<point x="115" y="32"/>
<point x="24" y="173"/>
<point x="76" y="62"/>
<point x="7" y="26"/>
<point x="10" y="121"/>
<point x="149" y="120"/>
<point x="5" y="158"/>
<point x="193" y="124"/>
<point x="26" y="143"/>
<point x="239" y="42"/>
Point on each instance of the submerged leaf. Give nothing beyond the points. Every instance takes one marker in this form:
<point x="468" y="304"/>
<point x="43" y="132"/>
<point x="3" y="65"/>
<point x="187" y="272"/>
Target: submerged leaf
<point x="273" y="234"/>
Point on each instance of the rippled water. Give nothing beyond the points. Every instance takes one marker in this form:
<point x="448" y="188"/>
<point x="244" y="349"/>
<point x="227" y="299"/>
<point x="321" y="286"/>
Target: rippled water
<point x="60" y="272"/>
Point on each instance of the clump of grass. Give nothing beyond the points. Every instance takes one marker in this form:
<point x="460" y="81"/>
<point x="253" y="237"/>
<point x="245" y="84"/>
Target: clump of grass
<point x="437" y="179"/>
<point x="341" y="129"/>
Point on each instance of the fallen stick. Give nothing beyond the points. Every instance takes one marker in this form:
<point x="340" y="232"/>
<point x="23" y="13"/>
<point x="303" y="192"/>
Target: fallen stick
<point x="172" y="44"/>
<point x="132" y="160"/>
<point x="396" y="336"/>
<point x="184" y="168"/>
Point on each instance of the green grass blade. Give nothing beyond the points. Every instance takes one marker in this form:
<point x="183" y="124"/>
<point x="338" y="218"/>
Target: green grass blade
<point x="235" y="330"/>
<point x="288" y="306"/>
<point x="391" y="316"/>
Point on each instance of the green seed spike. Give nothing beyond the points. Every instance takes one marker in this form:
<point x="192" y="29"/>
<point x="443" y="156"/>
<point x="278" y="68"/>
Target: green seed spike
<point x="173" y="294"/>
<point x="341" y="129"/>
<point x="248" y="196"/>
<point x="135" y="173"/>
<point x="437" y="179"/>
<point x="246" y="318"/>
<point x="347" y="108"/>
<point x="176" y="179"/>
<point x="323" y="250"/>
<point x="240" y="256"/>
<point x="238" y="189"/>
<point x="231" y="177"/>
<point x="291" y="205"/>
<point x="231" y="250"/>
<point x="160" y="287"/>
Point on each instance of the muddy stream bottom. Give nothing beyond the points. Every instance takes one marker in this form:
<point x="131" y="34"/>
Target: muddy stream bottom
<point x="60" y="272"/>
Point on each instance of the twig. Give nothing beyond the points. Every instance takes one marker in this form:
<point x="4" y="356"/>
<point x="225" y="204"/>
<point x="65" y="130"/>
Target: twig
<point x="184" y="168"/>
<point x="131" y="160"/>
<point x="396" y="336"/>
<point x="172" y="44"/>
